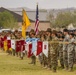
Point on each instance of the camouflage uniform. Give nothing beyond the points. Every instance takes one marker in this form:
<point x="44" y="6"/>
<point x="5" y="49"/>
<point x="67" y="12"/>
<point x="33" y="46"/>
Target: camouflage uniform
<point x="65" y="53"/>
<point x="75" y="51"/>
<point x="60" y="50"/>
<point x="40" y="57"/>
<point x="49" y="54"/>
<point x="44" y="58"/>
<point x="53" y="51"/>
<point x="71" y="53"/>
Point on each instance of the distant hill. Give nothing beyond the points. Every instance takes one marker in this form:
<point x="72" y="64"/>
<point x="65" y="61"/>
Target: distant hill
<point x="31" y="13"/>
<point x="44" y="10"/>
<point x="20" y="9"/>
<point x="27" y="9"/>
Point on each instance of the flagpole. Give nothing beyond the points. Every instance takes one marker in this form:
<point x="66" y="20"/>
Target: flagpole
<point x="37" y="19"/>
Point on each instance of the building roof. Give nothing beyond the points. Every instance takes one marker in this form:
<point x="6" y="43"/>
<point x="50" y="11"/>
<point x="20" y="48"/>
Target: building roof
<point x="32" y="13"/>
<point x="17" y="13"/>
<point x="17" y="16"/>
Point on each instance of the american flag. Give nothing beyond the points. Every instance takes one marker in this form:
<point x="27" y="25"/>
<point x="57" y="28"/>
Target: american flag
<point x="37" y="21"/>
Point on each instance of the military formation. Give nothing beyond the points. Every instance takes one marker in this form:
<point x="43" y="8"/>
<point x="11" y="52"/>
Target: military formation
<point x="61" y="48"/>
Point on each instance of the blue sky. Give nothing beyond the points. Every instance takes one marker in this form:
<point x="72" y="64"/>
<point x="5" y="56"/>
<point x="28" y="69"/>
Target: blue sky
<point x="44" y="4"/>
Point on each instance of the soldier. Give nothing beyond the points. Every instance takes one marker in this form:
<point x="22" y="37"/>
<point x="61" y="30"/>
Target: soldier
<point x="40" y="56"/>
<point x="60" y="50"/>
<point x="18" y="46"/>
<point x="22" y="42"/>
<point x="13" y="43"/>
<point x="65" y="48"/>
<point x="53" y="51"/>
<point x="33" y="57"/>
<point x="43" y="57"/>
<point x="48" y="38"/>
<point x="75" y="46"/>
<point x="22" y="48"/>
<point x="9" y="42"/>
<point x="71" y="52"/>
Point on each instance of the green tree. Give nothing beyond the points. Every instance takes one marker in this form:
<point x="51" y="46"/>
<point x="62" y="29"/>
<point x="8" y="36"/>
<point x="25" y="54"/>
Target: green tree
<point x="50" y="17"/>
<point x="7" y="20"/>
<point x="63" y="19"/>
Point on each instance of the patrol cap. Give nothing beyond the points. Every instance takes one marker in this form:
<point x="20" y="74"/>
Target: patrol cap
<point x="54" y="32"/>
<point x="65" y="30"/>
<point x="32" y="30"/>
<point x="48" y="30"/>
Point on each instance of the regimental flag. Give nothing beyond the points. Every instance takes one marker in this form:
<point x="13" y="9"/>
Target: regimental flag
<point x="34" y="44"/>
<point x="45" y="48"/>
<point x="13" y="44"/>
<point x="25" y="24"/>
<point x="39" y="47"/>
<point x="22" y="45"/>
<point x="5" y="38"/>
<point x="18" y="46"/>
<point x="37" y="20"/>
<point x="9" y="44"/>
<point x="26" y="47"/>
<point x="8" y="38"/>
<point x="29" y="52"/>
<point x="2" y="42"/>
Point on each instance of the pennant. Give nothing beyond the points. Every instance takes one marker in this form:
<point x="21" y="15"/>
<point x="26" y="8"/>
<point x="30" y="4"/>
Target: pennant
<point x="26" y="47"/>
<point x="45" y="48"/>
<point x="9" y="44"/>
<point x="13" y="44"/>
<point x="22" y="45"/>
<point x="2" y="44"/>
<point x="34" y="44"/>
<point x="39" y="47"/>
<point x="18" y="46"/>
<point x="30" y="51"/>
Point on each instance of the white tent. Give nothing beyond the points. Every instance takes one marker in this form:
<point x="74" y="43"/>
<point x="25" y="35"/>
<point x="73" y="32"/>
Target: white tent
<point x="71" y="27"/>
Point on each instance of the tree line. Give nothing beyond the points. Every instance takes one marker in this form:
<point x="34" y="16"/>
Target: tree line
<point x="7" y="20"/>
<point x="62" y="19"/>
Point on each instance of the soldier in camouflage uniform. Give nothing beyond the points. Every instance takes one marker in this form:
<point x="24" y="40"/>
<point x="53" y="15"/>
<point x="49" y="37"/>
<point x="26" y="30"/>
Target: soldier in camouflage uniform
<point x="65" y="48"/>
<point x="60" y="50"/>
<point x="75" y="46"/>
<point x="43" y="62"/>
<point x="48" y="38"/>
<point x="33" y="57"/>
<point x="71" y="52"/>
<point x="13" y="38"/>
<point x="53" y="50"/>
